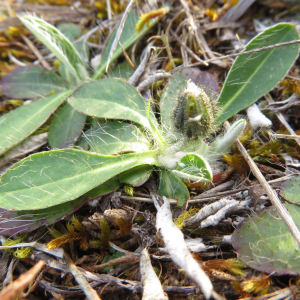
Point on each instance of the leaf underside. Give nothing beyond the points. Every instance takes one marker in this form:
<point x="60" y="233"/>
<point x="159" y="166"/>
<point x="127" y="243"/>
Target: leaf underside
<point x="58" y="44"/>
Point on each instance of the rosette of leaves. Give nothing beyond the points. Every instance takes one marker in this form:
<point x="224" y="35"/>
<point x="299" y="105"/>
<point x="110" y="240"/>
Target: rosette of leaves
<point x="129" y="151"/>
<point x="132" y="142"/>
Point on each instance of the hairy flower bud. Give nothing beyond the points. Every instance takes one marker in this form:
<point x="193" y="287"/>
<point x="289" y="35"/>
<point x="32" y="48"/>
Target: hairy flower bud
<point x="195" y="112"/>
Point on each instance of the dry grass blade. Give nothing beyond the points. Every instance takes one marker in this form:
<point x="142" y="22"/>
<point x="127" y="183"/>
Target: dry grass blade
<point x="150" y="281"/>
<point x="142" y="66"/>
<point x="37" y="53"/>
<point x="186" y="47"/>
<point x="285" y="136"/>
<point x="281" y="118"/>
<point x="27" y="146"/>
<point x="175" y="244"/>
<point x="118" y="34"/>
<point x="129" y="258"/>
<point x="270" y="192"/>
<point x="90" y="293"/>
<point x="16" y="288"/>
<point x="246" y="52"/>
<point x="236" y="11"/>
<point x="108" y="6"/>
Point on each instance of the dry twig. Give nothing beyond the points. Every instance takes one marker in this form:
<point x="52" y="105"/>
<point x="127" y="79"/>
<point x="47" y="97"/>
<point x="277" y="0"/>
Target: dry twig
<point x="270" y="192"/>
<point x="152" y="288"/>
<point x="178" y="250"/>
<point x="13" y="290"/>
<point x="247" y="52"/>
<point x="118" y="34"/>
<point x="90" y="293"/>
<point x="37" y="53"/>
<point x="281" y="118"/>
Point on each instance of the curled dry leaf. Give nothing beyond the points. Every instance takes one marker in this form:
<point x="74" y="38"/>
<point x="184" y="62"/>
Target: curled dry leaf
<point x="152" y="288"/>
<point x="178" y="250"/>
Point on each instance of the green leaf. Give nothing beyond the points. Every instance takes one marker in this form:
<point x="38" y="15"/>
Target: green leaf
<point x="111" y="99"/>
<point x="66" y="127"/>
<point x="128" y="37"/>
<point x="253" y="75"/>
<point x="123" y="70"/>
<point x="136" y="176"/>
<point x="58" y="44"/>
<point x="114" y="255"/>
<point x="263" y="242"/>
<point x="172" y="187"/>
<point x="21" y="122"/>
<point x="50" y="178"/>
<point x="72" y="32"/>
<point x="290" y="190"/>
<point x="222" y="143"/>
<point x="31" y="82"/>
<point x="114" y="137"/>
<point x="194" y="167"/>
<point x="16" y="222"/>
<point x="169" y="100"/>
<point x="103" y="189"/>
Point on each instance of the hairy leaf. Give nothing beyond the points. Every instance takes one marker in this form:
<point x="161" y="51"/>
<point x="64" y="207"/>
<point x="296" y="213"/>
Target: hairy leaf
<point x="110" y="99"/>
<point x="15" y="222"/>
<point x="172" y="187"/>
<point x="114" y="137"/>
<point x="58" y="44"/>
<point x="194" y="167"/>
<point x="169" y="99"/>
<point x="263" y="242"/>
<point x="21" y="122"/>
<point x="51" y="178"/>
<point x="253" y="75"/>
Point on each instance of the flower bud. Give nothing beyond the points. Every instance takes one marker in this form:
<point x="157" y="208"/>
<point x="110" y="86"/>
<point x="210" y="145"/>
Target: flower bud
<point x="195" y="112"/>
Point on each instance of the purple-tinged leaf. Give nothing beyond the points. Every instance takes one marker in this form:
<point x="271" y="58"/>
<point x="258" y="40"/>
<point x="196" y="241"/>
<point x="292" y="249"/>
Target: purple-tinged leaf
<point x="31" y="82"/>
<point x="16" y="222"/>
